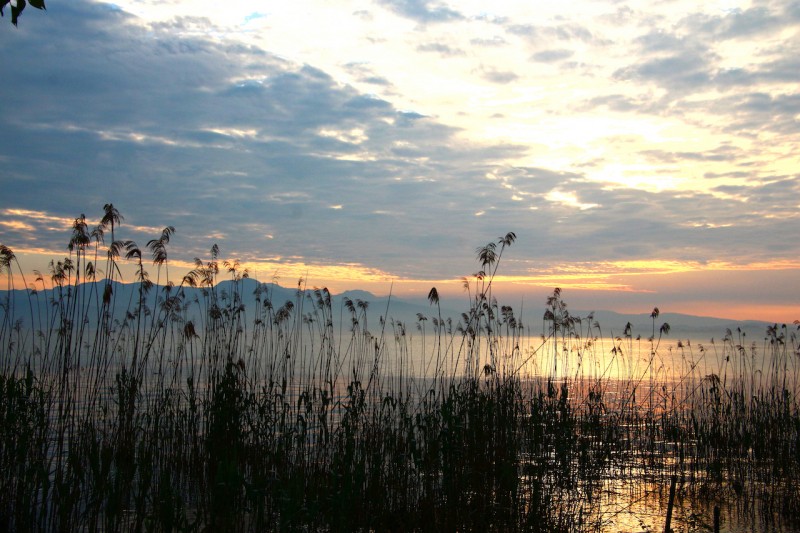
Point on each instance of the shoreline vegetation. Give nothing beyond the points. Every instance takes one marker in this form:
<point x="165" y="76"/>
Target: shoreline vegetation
<point x="168" y="413"/>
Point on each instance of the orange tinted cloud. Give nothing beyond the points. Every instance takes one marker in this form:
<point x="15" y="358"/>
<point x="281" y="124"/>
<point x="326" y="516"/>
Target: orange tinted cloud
<point x="16" y="225"/>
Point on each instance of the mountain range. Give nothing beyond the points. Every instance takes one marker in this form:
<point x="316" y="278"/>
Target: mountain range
<point x="407" y="311"/>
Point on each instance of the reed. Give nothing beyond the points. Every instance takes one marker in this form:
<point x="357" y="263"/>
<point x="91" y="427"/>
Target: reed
<point x="184" y="409"/>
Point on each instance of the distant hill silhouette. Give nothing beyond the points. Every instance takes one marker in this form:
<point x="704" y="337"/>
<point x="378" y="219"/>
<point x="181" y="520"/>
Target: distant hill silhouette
<point x="407" y="311"/>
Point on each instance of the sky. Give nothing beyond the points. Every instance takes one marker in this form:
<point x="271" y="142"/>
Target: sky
<point x="644" y="153"/>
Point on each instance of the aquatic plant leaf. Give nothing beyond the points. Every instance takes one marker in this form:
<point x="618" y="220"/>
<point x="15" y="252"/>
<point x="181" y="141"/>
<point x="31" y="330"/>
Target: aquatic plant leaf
<point x="16" y="10"/>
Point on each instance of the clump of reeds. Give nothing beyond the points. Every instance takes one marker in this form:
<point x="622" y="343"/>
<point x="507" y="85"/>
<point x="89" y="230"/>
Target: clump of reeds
<point x="184" y="408"/>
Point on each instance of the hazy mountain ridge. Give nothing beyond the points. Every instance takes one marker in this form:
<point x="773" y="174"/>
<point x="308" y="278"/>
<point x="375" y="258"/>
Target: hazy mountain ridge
<point x="407" y="311"/>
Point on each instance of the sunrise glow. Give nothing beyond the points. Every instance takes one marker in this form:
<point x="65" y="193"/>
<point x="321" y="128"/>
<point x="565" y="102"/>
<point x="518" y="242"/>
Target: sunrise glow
<point x="643" y="154"/>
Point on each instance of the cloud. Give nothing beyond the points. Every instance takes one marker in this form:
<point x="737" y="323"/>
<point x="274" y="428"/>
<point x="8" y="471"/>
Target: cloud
<point x="749" y="112"/>
<point x="489" y="42"/>
<point x="616" y="102"/>
<point x="441" y="49"/>
<point x="552" y="55"/>
<point x="224" y="140"/>
<point x="685" y="71"/>
<point x="499" y="76"/>
<point x="740" y="24"/>
<point x="688" y="55"/>
<point x="561" y="32"/>
<point x="636" y="136"/>
<point x="720" y="153"/>
<point x="364" y="73"/>
<point x="422" y="11"/>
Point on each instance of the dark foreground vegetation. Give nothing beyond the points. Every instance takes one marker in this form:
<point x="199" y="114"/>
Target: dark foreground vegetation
<point x="169" y="413"/>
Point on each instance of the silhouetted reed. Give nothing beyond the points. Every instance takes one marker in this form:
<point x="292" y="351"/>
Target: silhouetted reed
<point x="184" y="408"/>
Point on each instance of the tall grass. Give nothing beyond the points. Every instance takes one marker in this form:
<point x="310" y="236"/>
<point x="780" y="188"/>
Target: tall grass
<point x="183" y="409"/>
